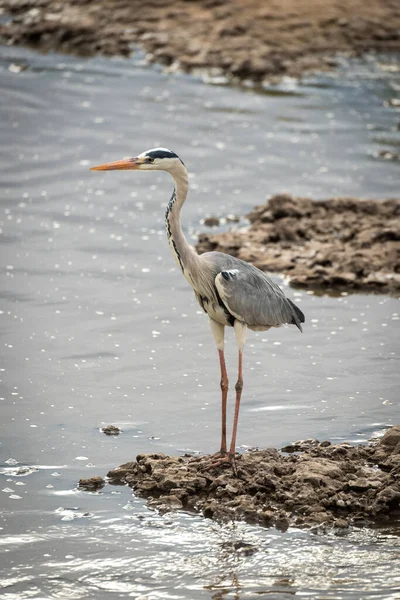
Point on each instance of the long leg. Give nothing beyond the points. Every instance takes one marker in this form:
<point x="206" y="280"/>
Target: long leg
<point x="240" y="333"/>
<point x="224" y="395"/>
<point x="218" y="332"/>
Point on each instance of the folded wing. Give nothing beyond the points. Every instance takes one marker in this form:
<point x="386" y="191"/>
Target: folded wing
<point x="253" y="298"/>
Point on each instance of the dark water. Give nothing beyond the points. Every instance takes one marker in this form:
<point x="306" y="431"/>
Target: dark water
<point x="97" y="325"/>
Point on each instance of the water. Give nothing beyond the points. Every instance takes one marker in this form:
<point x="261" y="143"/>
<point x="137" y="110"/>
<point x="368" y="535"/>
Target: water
<point x="98" y="326"/>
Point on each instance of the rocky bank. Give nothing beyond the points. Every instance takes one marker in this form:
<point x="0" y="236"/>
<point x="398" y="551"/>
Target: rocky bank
<point x="307" y="484"/>
<point x="242" y="39"/>
<point x="336" y="244"/>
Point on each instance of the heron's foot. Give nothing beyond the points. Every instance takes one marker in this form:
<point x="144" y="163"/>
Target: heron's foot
<point x="225" y="459"/>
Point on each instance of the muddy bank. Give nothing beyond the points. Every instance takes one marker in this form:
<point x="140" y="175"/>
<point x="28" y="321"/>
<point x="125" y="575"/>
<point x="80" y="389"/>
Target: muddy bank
<point x="337" y="244"/>
<point x="243" y="39"/>
<point x="310" y="484"/>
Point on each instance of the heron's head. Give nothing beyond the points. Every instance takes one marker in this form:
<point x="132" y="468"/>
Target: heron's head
<point x="156" y="159"/>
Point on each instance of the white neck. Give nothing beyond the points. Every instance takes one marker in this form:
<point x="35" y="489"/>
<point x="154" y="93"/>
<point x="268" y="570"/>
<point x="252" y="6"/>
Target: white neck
<point x="184" y="254"/>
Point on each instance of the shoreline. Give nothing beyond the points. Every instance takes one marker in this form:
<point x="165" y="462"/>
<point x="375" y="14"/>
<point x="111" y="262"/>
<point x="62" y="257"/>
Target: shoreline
<point x="243" y="40"/>
<point x="308" y="484"/>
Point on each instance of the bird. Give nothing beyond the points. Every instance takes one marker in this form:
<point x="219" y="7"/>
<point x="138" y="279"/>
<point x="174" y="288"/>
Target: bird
<point x="232" y="292"/>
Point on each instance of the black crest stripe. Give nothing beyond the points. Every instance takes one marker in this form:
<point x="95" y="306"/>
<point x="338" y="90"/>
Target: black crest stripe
<point x="163" y="154"/>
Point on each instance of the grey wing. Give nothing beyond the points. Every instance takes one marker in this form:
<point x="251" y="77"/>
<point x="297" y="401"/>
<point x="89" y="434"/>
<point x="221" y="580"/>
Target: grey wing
<point x="252" y="297"/>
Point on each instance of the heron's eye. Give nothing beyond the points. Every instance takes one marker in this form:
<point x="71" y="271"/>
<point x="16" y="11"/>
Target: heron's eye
<point x="150" y="159"/>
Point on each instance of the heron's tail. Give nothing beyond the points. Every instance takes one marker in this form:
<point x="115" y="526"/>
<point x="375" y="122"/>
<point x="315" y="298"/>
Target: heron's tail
<point x="298" y="315"/>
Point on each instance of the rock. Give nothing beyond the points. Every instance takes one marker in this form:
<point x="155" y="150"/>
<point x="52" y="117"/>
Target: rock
<point x="341" y="523"/>
<point x="390" y="495"/>
<point x="91" y="484"/>
<point x="389" y="155"/>
<point x="319" y="473"/>
<point x="118" y="474"/>
<point x="392" y="463"/>
<point x="390" y="442"/>
<point x="359" y="484"/>
<point x="301" y="446"/>
<point x="211" y="221"/>
<point x="111" y="430"/>
<point x="168" y="503"/>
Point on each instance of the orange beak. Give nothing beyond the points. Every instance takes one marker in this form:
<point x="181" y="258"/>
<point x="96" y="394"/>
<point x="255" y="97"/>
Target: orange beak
<point x="119" y="165"/>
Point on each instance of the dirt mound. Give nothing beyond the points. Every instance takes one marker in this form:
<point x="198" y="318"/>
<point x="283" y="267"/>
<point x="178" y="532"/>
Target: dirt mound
<point x="244" y="39"/>
<point x="342" y="243"/>
<point x="311" y="484"/>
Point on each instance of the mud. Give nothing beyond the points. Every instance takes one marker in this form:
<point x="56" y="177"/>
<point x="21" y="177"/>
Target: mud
<point x="242" y="39"/>
<point x="338" y="244"/>
<point x="310" y="484"/>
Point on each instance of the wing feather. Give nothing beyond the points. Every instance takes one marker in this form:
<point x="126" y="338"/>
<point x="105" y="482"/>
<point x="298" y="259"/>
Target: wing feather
<point x="252" y="297"/>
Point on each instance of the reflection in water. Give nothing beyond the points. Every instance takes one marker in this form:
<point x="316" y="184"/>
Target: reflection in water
<point x="226" y="588"/>
<point x="182" y="556"/>
<point x="98" y="328"/>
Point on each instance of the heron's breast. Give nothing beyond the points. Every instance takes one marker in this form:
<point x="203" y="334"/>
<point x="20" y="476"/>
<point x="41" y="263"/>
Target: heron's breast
<point x="215" y="310"/>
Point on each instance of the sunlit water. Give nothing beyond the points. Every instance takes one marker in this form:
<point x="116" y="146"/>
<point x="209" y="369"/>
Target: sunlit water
<point x="98" y="326"/>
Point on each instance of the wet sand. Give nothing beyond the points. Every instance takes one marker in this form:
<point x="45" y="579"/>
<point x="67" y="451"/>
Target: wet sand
<point x="307" y="484"/>
<point x="337" y="244"/>
<point x="242" y="39"/>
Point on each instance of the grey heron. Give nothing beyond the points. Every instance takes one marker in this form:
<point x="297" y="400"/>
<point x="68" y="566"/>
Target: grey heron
<point x="232" y="292"/>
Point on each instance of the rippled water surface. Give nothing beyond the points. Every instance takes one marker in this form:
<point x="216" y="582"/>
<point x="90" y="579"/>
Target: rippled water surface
<point x="98" y="326"/>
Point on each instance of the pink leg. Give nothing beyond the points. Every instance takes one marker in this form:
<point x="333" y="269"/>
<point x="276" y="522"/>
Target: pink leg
<point x="238" y="388"/>
<point x="224" y="390"/>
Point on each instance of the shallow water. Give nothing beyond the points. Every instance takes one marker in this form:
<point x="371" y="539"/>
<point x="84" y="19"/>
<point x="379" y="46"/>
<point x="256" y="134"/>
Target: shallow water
<point x="99" y="327"/>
